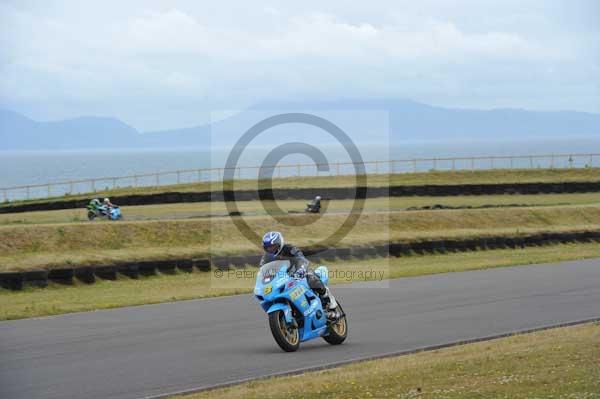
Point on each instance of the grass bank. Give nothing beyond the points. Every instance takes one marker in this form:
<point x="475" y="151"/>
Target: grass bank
<point x="555" y="363"/>
<point x="254" y="208"/>
<point x="105" y="294"/>
<point x="54" y="245"/>
<point x="373" y="180"/>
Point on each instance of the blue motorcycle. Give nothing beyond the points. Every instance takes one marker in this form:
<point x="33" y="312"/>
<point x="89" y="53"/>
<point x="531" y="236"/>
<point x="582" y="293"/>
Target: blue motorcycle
<point x="113" y="213"/>
<point x="295" y="311"/>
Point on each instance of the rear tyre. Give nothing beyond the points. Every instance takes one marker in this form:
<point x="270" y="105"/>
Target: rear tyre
<point x="286" y="336"/>
<point x="338" y="331"/>
<point x="91" y="215"/>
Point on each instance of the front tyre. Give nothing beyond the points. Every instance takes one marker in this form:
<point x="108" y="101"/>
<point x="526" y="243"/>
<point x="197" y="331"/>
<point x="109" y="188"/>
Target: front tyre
<point x="286" y="336"/>
<point x="338" y="331"/>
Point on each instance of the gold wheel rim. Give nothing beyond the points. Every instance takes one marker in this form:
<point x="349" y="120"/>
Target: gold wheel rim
<point x="340" y="326"/>
<point x="292" y="336"/>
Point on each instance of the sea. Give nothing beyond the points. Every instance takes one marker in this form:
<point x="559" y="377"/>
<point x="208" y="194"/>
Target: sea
<point x="20" y="168"/>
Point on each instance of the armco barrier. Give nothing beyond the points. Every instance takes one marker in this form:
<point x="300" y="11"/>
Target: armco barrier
<point x="328" y="193"/>
<point x="88" y="274"/>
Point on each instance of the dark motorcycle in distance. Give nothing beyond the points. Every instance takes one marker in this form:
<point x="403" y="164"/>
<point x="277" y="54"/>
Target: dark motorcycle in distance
<point x="314" y="206"/>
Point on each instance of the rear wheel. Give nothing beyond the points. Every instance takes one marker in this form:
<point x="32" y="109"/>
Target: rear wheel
<point x="338" y="331"/>
<point x="286" y="336"/>
<point x="91" y="215"/>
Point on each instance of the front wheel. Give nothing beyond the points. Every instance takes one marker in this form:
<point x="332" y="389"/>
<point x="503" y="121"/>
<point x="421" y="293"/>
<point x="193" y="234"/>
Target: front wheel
<point x="338" y="331"/>
<point x="286" y="336"/>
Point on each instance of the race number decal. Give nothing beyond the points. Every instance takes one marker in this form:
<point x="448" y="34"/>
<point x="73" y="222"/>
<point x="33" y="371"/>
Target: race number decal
<point x="295" y="294"/>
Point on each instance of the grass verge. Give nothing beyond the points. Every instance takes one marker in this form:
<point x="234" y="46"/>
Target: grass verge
<point x="105" y="294"/>
<point x="555" y="363"/>
<point x="55" y="245"/>
<point x="374" y="180"/>
<point x="203" y="209"/>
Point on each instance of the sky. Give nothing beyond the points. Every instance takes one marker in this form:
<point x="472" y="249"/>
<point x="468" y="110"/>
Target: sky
<point x="169" y="64"/>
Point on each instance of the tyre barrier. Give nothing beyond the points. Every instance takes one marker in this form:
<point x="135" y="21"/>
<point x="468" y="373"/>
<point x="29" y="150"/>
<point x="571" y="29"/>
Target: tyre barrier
<point x="166" y="266"/>
<point x="358" y="252"/>
<point x="130" y="270"/>
<point x="202" y="264"/>
<point x="61" y="276"/>
<point x="343" y="253"/>
<point x="85" y="274"/>
<point x="382" y="250"/>
<point x="238" y="261"/>
<point x="253" y="260"/>
<point x="328" y="193"/>
<point x="147" y="268"/>
<point x="88" y="274"/>
<point x="328" y="255"/>
<point x="36" y="278"/>
<point x="220" y="262"/>
<point x="106" y="272"/>
<point x="184" y="265"/>
<point x="12" y="281"/>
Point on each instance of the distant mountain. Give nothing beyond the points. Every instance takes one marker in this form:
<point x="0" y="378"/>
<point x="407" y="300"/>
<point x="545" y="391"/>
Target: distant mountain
<point x="20" y="133"/>
<point x="408" y="120"/>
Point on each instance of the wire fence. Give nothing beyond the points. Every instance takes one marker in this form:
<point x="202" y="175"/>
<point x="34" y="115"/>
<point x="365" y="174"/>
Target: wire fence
<point x="190" y="176"/>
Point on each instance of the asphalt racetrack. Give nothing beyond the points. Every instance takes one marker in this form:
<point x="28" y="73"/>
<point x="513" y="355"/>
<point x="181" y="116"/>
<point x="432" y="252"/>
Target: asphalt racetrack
<point x="152" y="350"/>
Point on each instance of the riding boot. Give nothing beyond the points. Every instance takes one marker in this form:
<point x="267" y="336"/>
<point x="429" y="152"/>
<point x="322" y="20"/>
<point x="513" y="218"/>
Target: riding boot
<point x="330" y="299"/>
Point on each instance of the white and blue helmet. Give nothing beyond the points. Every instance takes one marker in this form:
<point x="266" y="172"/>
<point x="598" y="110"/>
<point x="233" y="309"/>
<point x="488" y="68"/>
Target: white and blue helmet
<point x="273" y="242"/>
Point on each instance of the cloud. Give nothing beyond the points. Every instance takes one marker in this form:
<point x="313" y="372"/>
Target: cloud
<point x="141" y="59"/>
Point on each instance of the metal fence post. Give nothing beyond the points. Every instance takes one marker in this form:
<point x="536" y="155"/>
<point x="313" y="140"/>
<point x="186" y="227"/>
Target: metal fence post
<point x="434" y="163"/>
<point x="298" y="170"/>
<point x="93" y="185"/>
<point x="414" y="165"/>
<point x="5" y="192"/>
<point x="178" y="177"/>
<point x="511" y="162"/>
<point x="157" y="180"/>
<point x="114" y="182"/>
<point x="49" y="188"/>
<point x="591" y="164"/>
<point x="552" y="161"/>
<point x="472" y="164"/>
<point x="70" y="187"/>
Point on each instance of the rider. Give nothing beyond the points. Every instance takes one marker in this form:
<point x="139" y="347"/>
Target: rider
<point x="95" y="204"/>
<point x="108" y="204"/>
<point x="276" y="249"/>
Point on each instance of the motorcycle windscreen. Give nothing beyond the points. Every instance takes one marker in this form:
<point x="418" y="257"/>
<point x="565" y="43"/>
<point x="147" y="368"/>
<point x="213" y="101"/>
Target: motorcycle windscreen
<point x="271" y="271"/>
